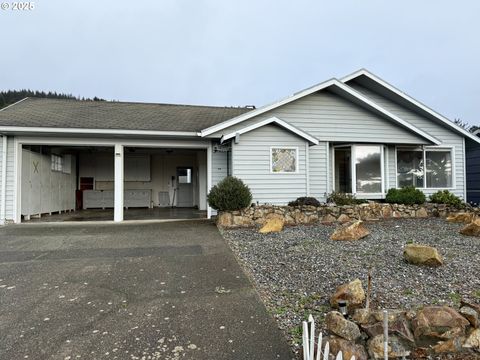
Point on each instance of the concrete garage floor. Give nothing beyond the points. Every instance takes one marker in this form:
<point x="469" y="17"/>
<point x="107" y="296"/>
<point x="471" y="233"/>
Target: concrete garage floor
<point x="129" y="214"/>
<point x="128" y="291"/>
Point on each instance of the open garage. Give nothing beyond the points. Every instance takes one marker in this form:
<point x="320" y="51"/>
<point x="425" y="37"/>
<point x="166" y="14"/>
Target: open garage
<point x="77" y="183"/>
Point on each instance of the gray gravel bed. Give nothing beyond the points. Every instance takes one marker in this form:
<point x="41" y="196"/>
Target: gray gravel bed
<point x="297" y="270"/>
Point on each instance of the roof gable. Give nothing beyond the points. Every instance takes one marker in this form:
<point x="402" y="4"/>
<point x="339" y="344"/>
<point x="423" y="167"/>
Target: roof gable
<point x="363" y="76"/>
<point x="336" y="87"/>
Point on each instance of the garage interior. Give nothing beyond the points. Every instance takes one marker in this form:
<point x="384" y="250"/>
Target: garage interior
<point x="76" y="183"/>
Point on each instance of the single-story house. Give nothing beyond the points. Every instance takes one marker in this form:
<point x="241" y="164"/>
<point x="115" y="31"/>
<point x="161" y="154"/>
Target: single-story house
<point x="357" y="134"/>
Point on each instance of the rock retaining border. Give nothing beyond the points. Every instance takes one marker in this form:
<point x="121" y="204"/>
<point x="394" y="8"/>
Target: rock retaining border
<point x="327" y="213"/>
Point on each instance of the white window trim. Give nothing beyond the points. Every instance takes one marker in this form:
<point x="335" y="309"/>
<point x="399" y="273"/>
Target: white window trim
<point x="353" y="169"/>
<point x="297" y="160"/>
<point x="424" y="151"/>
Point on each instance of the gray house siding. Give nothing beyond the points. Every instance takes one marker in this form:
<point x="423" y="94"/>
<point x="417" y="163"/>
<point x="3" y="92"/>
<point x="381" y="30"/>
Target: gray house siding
<point x="473" y="172"/>
<point x="251" y="159"/>
<point x="219" y="167"/>
<point x="317" y="158"/>
<point x="10" y="186"/>
<point x="442" y="133"/>
<point x="329" y="117"/>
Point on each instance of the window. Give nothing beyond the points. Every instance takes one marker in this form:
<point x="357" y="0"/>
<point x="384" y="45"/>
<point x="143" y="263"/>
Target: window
<point x="56" y="163"/>
<point x="184" y="175"/>
<point x="358" y="169"/>
<point x="430" y="168"/>
<point x="368" y="169"/>
<point x="439" y="169"/>
<point x="283" y="160"/>
<point x="410" y="168"/>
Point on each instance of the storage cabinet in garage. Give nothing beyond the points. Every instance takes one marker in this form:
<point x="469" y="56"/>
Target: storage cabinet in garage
<point x="101" y="199"/>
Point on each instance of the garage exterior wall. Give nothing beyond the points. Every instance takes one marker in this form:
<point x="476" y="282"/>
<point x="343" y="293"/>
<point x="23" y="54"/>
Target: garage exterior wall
<point x="10" y="184"/>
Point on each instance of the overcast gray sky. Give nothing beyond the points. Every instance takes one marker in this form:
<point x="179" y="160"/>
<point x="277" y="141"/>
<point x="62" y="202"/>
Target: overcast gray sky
<point x="226" y="52"/>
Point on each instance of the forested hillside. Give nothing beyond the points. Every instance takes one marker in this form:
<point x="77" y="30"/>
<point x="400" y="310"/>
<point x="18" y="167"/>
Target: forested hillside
<point x="12" y="96"/>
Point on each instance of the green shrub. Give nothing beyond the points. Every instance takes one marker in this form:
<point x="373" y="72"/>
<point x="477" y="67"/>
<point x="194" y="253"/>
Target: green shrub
<point x="230" y="194"/>
<point x="343" y="199"/>
<point x="305" y="201"/>
<point x="446" y="197"/>
<point x="408" y="195"/>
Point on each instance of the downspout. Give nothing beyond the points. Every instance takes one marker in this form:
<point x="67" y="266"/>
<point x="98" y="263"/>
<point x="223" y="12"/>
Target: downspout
<point x="4" y="180"/>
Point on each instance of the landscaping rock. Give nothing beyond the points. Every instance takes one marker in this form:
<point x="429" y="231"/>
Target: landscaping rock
<point x="461" y="217"/>
<point x="224" y="219"/>
<point x="361" y="316"/>
<point x="399" y="327"/>
<point x="473" y="341"/>
<point x="396" y="347"/>
<point x="434" y="323"/>
<point x="421" y="213"/>
<point x="342" y="327"/>
<point x="471" y="315"/>
<point x="422" y="255"/>
<point x="329" y="219"/>
<point x="348" y="348"/>
<point x="450" y="346"/>
<point x="343" y="219"/>
<point x="352" y="292"/>
<point x="350" y="231"/>
<point x="472" y="229"/>
<point x="272" y="224"/>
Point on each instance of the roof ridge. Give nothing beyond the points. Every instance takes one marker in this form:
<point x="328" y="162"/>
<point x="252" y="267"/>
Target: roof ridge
<point x="136" y="103"/>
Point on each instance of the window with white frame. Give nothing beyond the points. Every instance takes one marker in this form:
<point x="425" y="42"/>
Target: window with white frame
<point x="429" y="168"/>
<point x="359" y="169"/>
<point x="56" y="162"/>
<point x="283" y="159"/>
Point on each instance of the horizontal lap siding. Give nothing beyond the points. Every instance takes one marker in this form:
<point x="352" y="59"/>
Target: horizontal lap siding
<point x="442" y="133"/>
<point x="219" y="167"/>
<point x="318" y="170"/>
<point x="9" y="195"/>
<point x="332" y="118"/>
<point x="251" y="163"/>
<point x="473" y="172"/>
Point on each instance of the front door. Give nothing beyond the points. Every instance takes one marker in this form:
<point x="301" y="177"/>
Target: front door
<point x="184" y="187"/>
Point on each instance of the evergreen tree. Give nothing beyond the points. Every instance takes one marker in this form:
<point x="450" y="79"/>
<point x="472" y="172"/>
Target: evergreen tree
<point x="12" y="96"/>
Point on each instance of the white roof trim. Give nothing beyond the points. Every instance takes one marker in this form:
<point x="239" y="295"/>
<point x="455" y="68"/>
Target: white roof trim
<point x="417" y="103"/>
<point x="271" y="120"/>
<point x="6" y="129"/>
<point x="332" y="82"/>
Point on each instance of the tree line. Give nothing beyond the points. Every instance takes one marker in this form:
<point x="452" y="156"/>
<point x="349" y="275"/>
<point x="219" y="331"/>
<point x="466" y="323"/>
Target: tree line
<point x="12" y="96"/>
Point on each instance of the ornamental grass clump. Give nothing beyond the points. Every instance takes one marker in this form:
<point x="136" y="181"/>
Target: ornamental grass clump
<point x="230" y="194"/>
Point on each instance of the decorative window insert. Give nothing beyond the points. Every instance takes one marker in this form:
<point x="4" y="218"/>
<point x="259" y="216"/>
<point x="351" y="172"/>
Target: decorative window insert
<point x="429" y="168"/>
<point x="284" y="160"/>
<point x="56" y="162"/>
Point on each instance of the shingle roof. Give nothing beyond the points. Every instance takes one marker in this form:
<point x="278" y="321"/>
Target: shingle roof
<point x="59" y="113"/>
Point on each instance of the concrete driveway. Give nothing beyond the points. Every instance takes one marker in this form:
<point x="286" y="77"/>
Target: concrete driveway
<point x="129" y="291"/>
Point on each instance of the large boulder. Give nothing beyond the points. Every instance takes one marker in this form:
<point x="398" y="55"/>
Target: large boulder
<point x="422" y="255"/>
<point x="328" y="219"/>
<point x="343" y="219"/>
<point x="352" y="293"/>
<point x="434" y="323"/>
<point x="348" y="348"/>
<point x="450" y="346"/>
<point x="350" y="231"/>
<point x="396" y="347"/>
<point x="397" y="326"/>
<point x="473" y="341"/>
<point x="273" y="223"/>
<point x="471" y="315"/>
<point x="472" y="229"/>
<point x="338" y="325"/>
<point x="460" y="217"/>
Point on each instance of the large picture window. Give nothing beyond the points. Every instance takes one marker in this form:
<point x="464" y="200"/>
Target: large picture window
<point x="284" y="160"/>
<point x="430" y="168"/>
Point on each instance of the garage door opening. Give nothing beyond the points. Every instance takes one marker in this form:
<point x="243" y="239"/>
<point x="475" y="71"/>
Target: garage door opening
<point x="77" y="183"/>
